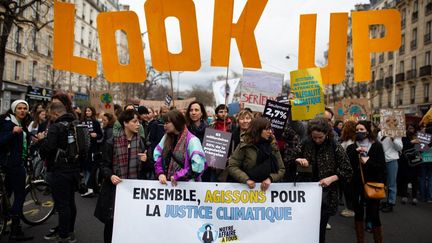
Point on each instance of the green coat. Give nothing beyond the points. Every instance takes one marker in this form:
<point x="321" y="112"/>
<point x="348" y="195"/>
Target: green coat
<point x="244" y="158"/>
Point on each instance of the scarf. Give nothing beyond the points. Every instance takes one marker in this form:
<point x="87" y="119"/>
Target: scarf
<point x="198" y="131"/>
<point x="123" y="166"/>
<point x="178" y="155"/>
<point x="24" y="145"/>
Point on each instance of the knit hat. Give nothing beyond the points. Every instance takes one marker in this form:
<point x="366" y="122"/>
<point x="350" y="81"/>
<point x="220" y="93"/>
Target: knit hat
<point x="16" y="102"/>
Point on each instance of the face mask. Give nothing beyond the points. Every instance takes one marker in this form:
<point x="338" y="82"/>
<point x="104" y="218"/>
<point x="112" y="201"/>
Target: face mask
<point x="360" y="136"/>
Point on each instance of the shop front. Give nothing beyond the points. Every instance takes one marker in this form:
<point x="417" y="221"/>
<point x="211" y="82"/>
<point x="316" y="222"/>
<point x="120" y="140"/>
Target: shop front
<point x="37" y="95"/>
<point x="9" y="93"/>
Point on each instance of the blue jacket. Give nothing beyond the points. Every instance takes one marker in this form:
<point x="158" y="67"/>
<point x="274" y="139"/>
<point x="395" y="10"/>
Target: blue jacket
<point x="11" y="145"/>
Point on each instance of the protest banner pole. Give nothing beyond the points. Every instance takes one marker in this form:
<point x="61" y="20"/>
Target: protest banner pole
<point x="172" y="89"/>
<point x="226" y="95"/>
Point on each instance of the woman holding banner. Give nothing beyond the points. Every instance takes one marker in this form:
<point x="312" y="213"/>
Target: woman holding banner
<point x="196" y="119"/>
<point x="123" y="158"/>
<point x="321" y="159"/>
<point x="257" y="159"/>
<point x="368" y="153"/>
<point x="179" y="155"/>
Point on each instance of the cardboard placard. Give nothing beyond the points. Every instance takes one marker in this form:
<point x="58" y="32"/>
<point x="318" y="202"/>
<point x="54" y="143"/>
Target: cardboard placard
<point x="278" y="114"/>
<point x="424" y="139"/>
<point x="392" y="122"/>
<point x="216" y="146"/>
<point x="257" y="87"/>
<point x="307" y="86"/>
<point x="352" y="109"/>
<point x="156" y="104"/>
<point x="102" y="101"/>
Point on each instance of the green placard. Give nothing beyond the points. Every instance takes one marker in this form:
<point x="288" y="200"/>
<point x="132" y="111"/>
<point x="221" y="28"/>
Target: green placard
<point x="427" y="156"/>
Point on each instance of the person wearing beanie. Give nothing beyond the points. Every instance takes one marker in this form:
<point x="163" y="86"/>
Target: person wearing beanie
<point x="14" y="141"/>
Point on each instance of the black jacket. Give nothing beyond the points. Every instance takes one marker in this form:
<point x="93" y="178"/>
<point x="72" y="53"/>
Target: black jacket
<point x="11" y="145"/>
<point x="56" y="138"/>
<point x="94" y="126"/>
<point x="374" y="169"/>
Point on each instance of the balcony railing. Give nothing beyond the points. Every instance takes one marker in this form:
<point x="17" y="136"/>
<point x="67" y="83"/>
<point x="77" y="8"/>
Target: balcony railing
<point x="425" y="70"/>
<point x="427" y="38"/>
<point x="400" y="77"/>
<point x="413" y="45"/>
<point x="388" y="82"/>
<point x="379" y="84"/>
<point x="411" y="74"/>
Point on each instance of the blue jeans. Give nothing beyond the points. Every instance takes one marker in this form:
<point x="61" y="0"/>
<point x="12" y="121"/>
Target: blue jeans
<point x="392" y="169"/>
<point x="425" y="180"/>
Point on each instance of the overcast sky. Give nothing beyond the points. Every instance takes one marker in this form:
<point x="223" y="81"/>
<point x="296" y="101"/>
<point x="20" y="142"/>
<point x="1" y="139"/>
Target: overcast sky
<point x="277" y="35"/>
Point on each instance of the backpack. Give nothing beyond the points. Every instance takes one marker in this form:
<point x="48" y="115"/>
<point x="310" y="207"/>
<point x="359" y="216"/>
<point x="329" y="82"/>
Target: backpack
<point x="78" y="145"/>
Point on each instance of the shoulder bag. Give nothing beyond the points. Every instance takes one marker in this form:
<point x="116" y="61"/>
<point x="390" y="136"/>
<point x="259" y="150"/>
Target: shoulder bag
<point x="373" y="190"/>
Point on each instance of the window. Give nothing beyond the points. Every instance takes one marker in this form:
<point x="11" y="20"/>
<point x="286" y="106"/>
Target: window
<point x="17" y="71"/>
<point x="17" y="41"/>
<point x="389" y="98"/>
<point x="381" y="73"/>
<point x="91" y="16"/>
<point x="415" y="6"/>
<point x="412" y="94"/>
<point x="413" y="63"/>
<point x="373" y="75"/>
<point x="414" y="39"/>
<point x="48" y="75"/>
<point x="49" y="45"/>
<point x="426" y="87"/>
<point x="403" y="18"/>
<point x="34" y="71"/>
<point x="82" y="34"/>
<point x="83" y="11"/>
<point x="401" y="67"/>
<point x="34" y="39"/>
<point x="390" y="70"/>
<point x="400" y="97"/>
<point x="427" y="60"/>
<point x="427" y="36"/>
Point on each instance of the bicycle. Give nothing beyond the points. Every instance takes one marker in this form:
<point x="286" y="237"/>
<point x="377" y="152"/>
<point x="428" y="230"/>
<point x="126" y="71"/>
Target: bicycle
<point x="38" y="205"/>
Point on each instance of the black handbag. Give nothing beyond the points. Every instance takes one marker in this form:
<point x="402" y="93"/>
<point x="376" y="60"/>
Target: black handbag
<point x="412" y="156"/>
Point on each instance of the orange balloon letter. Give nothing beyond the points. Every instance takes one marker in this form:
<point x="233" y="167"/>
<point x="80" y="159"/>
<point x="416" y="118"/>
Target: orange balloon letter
<point x="334" y="72"/>
<point x="363" y="46"/>
<point x="63" y="58"/>
<point x="242" y="31"/>
<point x="184" y="10"/>
<point x="108" y="24"/>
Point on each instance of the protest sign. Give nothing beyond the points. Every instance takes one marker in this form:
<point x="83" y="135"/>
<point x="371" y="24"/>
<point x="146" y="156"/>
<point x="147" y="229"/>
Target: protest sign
<point x="278" y="114"/>
<point x="234" y="108"/>
<point x="283" y="99"/>
<point x="352" y="109"/>
<point x="102" y="101"/>
<point x="151" y="212"/>
<point x="220" y="89"/>
<point x="306" y="84"/>
<point x="425" y="140"/>
<point x="427" y="156"/>
<point x="392" y="122"/>
<point x="168" y="100"/>
<point x="257" y="87"/>
<point x="216" y="145"/>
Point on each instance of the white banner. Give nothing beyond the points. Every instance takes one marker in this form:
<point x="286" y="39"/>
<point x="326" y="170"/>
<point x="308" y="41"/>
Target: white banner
<point x="219" y="90"/>
<point x="146" y="211"/>
<point x="258" y="86"/>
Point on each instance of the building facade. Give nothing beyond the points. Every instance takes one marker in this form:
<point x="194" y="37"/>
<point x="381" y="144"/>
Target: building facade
<point x="28" y="61"/>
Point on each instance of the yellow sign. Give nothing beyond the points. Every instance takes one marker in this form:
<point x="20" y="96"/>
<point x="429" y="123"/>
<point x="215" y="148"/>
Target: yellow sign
<point x="307" y="86"/>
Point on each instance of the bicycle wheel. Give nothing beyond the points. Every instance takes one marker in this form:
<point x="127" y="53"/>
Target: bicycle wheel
<point x="39" y="204"/>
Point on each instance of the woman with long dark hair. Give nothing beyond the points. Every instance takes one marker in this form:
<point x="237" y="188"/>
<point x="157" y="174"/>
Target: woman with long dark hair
<point x="368" y="153"/>
<point x="257" y="158"/>
<point x="179" y="155"/>
<point x="108" y="121"/>
<point x="321" y="159"/>
<point x="96" y="136"/>
<point x="196" y="119"/>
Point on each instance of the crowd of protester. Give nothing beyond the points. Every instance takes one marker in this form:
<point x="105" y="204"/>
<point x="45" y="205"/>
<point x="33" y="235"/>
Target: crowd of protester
<point x="138" y="142"/>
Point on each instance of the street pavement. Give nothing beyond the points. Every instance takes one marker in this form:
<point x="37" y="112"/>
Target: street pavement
<point x="407" y="224"/>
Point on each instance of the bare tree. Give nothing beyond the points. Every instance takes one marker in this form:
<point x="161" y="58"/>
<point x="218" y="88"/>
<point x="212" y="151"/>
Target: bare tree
<point x="154" y="78"/>
<point x="11" y="13"/>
